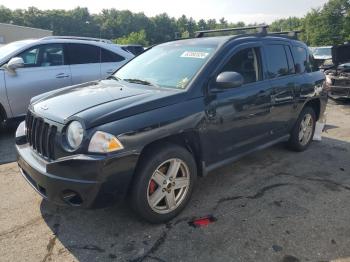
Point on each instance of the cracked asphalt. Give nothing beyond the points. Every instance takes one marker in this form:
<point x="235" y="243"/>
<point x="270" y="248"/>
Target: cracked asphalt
<point x="273" y="205"/>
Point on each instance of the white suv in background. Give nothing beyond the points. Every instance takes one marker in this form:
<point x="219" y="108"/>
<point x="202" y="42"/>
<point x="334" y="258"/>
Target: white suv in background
<point x="31" y="67"/>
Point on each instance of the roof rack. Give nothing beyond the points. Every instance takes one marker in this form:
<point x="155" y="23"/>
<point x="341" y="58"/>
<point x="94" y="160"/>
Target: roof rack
<point x="292" y="34"/>
<point x="78" y="38"/>
<point x="262" y="29"/>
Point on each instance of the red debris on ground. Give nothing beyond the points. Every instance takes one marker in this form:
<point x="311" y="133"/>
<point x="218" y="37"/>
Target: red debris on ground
<point x="203" y="221"/>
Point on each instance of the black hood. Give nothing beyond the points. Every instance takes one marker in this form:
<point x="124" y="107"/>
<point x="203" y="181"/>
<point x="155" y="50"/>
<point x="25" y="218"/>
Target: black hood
<point x="101" y="102"/>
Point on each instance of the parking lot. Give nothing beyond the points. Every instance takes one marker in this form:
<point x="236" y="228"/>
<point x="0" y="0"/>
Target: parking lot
<point x="274" y="205"/>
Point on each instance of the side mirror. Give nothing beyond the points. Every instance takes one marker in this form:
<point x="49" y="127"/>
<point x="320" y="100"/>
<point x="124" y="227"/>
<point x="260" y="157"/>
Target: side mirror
<point x="15" y="63"/>
<point x="227" y="80"/>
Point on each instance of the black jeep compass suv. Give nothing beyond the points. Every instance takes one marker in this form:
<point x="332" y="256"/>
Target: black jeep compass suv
<point x="176" y="112"/>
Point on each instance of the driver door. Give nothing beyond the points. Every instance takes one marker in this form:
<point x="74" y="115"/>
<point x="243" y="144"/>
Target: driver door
<point x="239" y="118"/>
<point x="44" y="70"/>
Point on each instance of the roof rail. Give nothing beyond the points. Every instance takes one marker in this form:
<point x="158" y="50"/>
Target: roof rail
<point x="292" y="34"/>
<point x="78" y="38"/>
<point x="262" y="29"/>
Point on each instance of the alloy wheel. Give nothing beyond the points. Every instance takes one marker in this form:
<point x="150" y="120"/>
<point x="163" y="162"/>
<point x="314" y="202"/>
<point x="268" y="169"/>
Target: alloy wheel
<point x="306" y="129"/>
<point x="168" y="186"/>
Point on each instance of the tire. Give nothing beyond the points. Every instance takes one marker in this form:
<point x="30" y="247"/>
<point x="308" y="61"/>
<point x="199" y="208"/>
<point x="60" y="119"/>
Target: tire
<point x="300" y="143"/>
<point x="155" y="196"/>
<point x="2" y="124"/>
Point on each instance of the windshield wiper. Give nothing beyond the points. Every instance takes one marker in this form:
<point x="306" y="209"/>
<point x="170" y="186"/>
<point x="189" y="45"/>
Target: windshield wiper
<point x="140" y="81"/>
<point x="113" y="77"/>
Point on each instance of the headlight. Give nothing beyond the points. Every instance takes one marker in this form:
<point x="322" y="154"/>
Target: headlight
<point x="75" y="133"/>
<point x="102" y="142"/>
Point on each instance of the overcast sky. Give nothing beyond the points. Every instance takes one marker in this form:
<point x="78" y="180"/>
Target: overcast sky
<point x="233" y="10"/>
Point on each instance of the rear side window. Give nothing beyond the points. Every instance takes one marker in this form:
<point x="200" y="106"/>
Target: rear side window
<point x="247" y="62"/>
<point x="277" y="61"/>
<point x="83" y="54"/>
<point x="300" y="57"/>
<point x="108" y="56"/>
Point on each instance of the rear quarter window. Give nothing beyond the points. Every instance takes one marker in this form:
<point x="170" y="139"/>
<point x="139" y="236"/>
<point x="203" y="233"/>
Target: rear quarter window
<point x="304" y="61"/>
<point x="109" y="57"/>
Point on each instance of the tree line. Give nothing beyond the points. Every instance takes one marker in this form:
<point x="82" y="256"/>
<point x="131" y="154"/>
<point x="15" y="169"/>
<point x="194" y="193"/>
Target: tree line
<point x="327" y="25"/>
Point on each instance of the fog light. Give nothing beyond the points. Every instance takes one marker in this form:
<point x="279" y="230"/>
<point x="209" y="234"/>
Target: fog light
<point x="72" y="198"/>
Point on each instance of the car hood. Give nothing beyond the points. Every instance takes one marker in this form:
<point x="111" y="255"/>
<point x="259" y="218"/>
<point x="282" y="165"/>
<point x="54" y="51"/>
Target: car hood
<point x="103" y="101"/>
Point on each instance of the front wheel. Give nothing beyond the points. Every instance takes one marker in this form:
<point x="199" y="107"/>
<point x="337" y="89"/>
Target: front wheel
<point x="303" y="131"/>
<point x="164" y="182"/>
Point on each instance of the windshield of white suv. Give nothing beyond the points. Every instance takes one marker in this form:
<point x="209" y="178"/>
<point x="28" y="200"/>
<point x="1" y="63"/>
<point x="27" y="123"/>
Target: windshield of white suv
<point x="9" y="48"/>
<point x="169" y="66"/>
<point x="323" y="52"/>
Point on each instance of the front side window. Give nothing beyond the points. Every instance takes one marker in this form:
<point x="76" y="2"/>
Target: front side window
<point x="44" y="55"/>
<point x="247" y="63"/>
<point x="30" y="57"/>
<point x="83" y="54"/>
<point x="277" y="61"/>
<point x="169" y="65"/>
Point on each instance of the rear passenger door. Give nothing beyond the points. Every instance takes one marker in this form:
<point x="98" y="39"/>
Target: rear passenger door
<point x="281" y="72"/>
<point x="309" y="75"/>
<point x="84" y="60"/>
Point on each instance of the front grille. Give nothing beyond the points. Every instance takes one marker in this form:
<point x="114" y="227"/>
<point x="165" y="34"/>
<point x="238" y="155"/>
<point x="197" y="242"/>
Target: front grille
<point x="41" y="136"/>
<point x="341" y="82"/>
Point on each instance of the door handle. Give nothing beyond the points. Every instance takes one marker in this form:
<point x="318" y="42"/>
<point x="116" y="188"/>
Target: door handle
<point x="110" y="71"/>
<point x="62" y="75"/>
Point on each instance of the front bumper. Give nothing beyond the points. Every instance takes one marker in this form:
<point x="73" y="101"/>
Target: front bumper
<point x="78" y="180"/>
<point x="339" y="92"/>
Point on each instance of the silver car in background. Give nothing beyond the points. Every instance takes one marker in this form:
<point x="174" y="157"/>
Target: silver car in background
<point x="32" y="67"/>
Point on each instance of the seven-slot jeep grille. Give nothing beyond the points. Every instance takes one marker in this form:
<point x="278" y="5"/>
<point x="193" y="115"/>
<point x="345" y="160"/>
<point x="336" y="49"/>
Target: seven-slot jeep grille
<point x="41" y="135"/>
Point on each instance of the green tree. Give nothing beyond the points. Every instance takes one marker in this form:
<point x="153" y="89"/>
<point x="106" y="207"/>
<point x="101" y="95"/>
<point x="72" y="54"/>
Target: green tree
<point x="328" y="25"/>
<point x="163" y="30"/>
<point x="288" y="24"/>
<point x="133" y="38"/>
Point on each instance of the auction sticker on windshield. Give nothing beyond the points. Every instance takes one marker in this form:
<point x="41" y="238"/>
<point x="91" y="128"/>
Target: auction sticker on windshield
<point x="193" y="54"/>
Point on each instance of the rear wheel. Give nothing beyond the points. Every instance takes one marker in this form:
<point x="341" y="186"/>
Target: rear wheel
<point x="163" y="183"/>
<point x="303" y="131"/>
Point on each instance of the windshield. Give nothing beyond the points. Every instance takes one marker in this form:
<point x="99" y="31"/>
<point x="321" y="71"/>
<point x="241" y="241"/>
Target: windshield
<point x="9" y="48"/>
<point x="170" y="66"/>
<point x="323" y="52"/>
